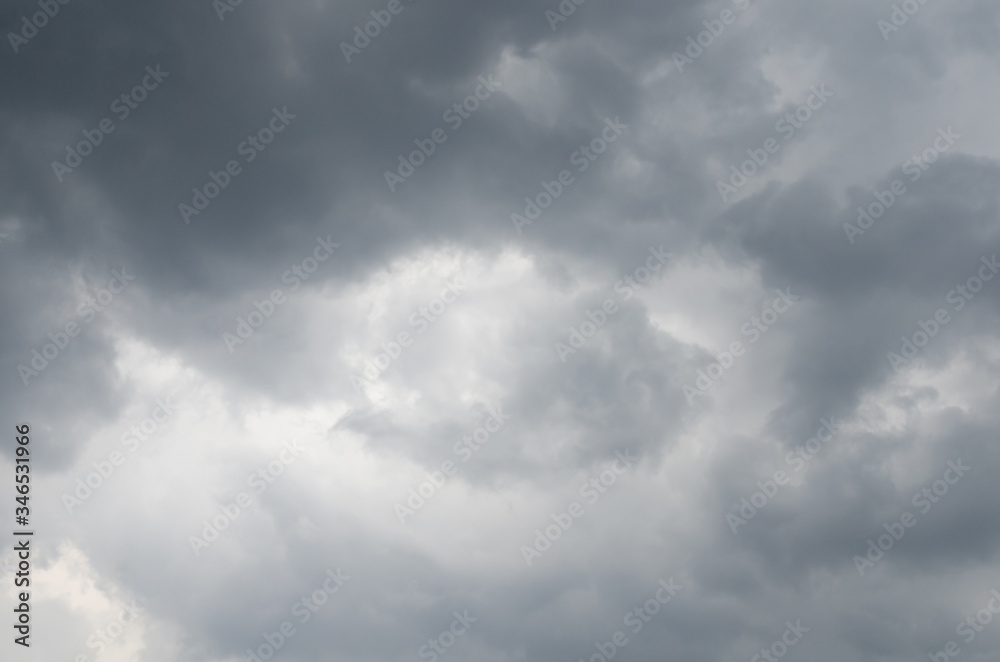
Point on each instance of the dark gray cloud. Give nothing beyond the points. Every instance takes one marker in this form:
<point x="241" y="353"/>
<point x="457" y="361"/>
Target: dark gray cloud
<point x="386" y="356"/>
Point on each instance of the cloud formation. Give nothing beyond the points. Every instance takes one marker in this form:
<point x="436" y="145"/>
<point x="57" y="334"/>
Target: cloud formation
<point x="368" y="298"/>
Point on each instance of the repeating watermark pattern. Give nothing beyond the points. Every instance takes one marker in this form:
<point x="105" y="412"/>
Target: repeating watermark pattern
<point x="591" y="491"/>
<point x="786" y="127"/>
<point x="131" y="439"/>
<point x="421" y="321"/>
<point x="122" y="106"/>
<point x="439" y="645"/>
<point x="747" y="508"/>
<point x="911" y="346"/>
<point x="714" y="28"/>
<point x="29" y="28"/>
<point x="104" y="637"/>
<point x="780" y="646"/>
<point x="254" y="313"/>
<point x="465" y="448"/>
<point x="923" y="500"/>
<point x="294" y="276"/>
<point x="915" y="168"/>
<point x="626" y="288"/>
<point x="566" y="8"/>
<point x="91" y="307"/>
<point x="754" y="330"/>
<point x="249" y="149"/>
<point x="969" y="628"/>
<point x="899" y="17"/>
<point x="262" y="478"/>
<point x="635" y="619"/>
<point x="363" y="37"/>
<point x="305" y="609"/>
<point x="582" y="157"/>
<point x="455" y="116"/>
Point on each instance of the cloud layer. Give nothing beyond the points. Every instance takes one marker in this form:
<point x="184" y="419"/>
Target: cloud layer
<point x="536" y="331"/>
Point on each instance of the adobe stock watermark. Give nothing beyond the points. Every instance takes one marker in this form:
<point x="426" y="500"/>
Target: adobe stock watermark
<point x="305" y="609"/>
<point x="754" y="329"/>
<point x="714" y="28"/>
<point x="582" y="157"/>
<point x="91" y="307"/>
<point x="748" y="507"/>
<point x="363" y="37"/>
<point x="923" y="500"/>
<point x="566" y="8"/>
<point x="131" y="439"/>
<point x="439" y="645"/>
<point x="261" y="479"/>
<point x="294" y="276"/>
<point x="899" y="17"/>
<point x="969" y="628"/>
<point x="786" y="127"/>
<point x="927" y="330"/>
<point x="780" y="646"/>
<point x="625" y="288"/>
<point x="105" y="636"/>
<point x="465" y="448"/>
<point x="29" y="28"/>
<point x="455" y="116"/>
<point x="636" y="619"/>
<point x="591" y="491"/>
<point x="249" y="149"/>
<point x="122" y="106"/>
<point x="421" y="321"/>
<point x="915" y="168"/>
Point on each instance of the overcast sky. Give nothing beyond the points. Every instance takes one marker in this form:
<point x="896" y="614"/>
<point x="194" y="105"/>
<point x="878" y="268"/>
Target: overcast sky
<point x="482" y="326"/>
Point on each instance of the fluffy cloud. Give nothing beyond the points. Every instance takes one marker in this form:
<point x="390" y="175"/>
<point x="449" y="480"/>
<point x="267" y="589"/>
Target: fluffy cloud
<point x="316" y="348"/>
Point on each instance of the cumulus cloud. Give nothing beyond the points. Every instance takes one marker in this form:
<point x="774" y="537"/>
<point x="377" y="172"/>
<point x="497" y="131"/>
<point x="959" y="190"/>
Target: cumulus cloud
<point x="556" y="330"/>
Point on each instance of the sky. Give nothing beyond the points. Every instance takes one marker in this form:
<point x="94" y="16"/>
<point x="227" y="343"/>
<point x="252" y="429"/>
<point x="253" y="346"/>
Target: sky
<point x="388" y="330"/>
